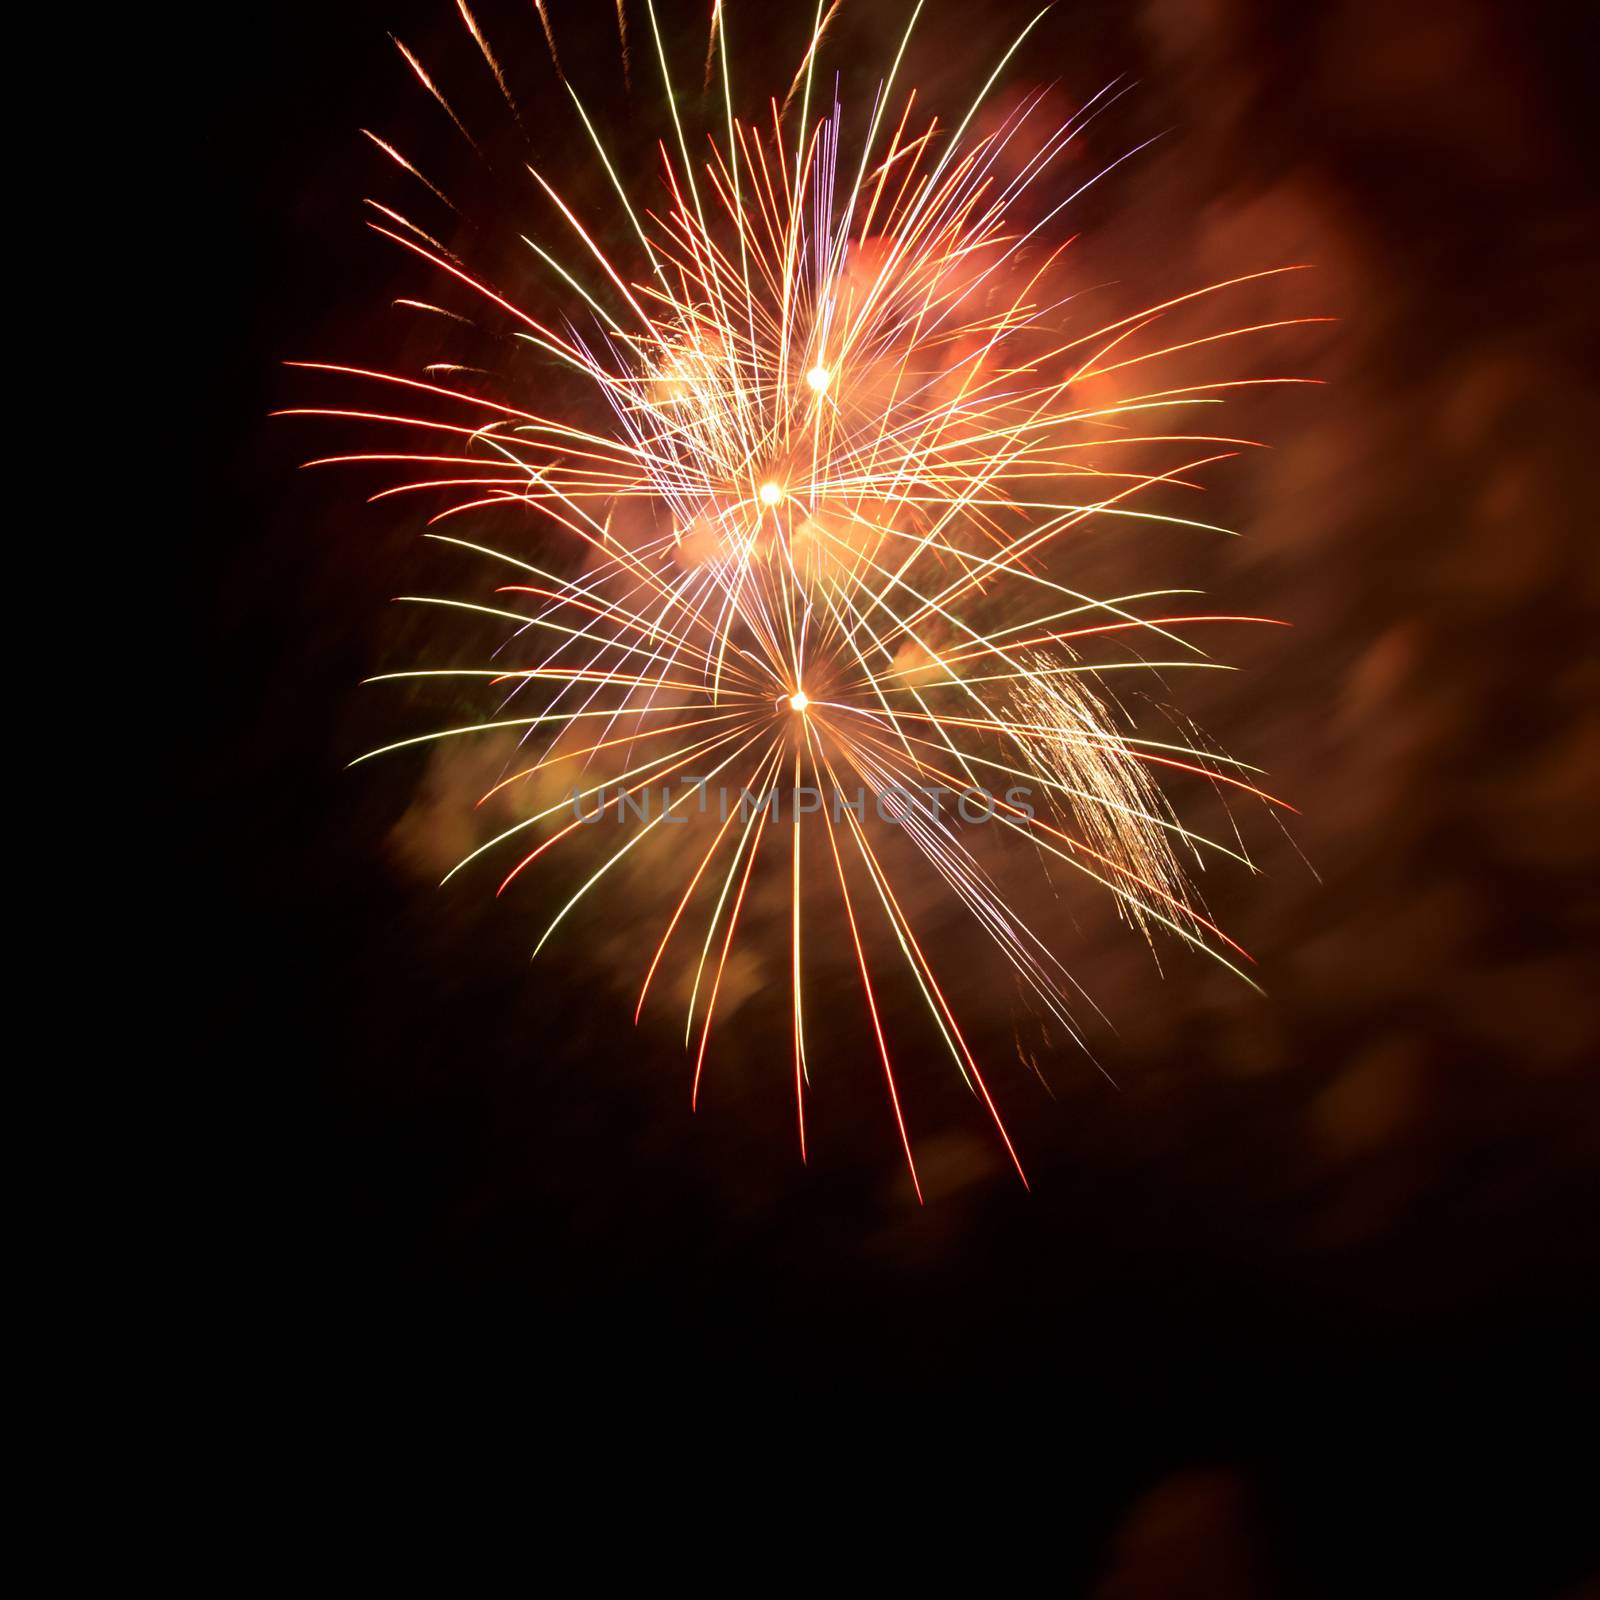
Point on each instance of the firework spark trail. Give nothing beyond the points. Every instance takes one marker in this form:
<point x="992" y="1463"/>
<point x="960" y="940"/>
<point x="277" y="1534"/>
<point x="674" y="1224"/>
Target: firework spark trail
<point x="839" y="434"/>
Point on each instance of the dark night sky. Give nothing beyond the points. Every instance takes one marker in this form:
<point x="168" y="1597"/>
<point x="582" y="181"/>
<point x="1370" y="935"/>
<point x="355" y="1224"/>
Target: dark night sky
<point x="1303" y="1307"/>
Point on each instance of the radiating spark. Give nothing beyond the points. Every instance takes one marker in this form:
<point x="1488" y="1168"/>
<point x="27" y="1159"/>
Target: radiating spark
<point x="841" y="431"/>
<point x="488" y="55"/>
<point x="433" y="89"/>
<point x="550" y="38"/>
<point x="395" y="156"/>
<point x="622" y="39"/>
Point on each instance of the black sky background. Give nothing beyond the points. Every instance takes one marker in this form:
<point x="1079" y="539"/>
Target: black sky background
<point x="1283" y="1329"/>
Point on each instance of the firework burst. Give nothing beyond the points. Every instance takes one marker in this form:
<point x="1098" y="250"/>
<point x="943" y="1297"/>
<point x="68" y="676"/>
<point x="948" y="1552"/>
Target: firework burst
<point x="840" y="427"/>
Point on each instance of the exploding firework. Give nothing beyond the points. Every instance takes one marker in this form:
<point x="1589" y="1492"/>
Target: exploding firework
<point x="839" y="426"/>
